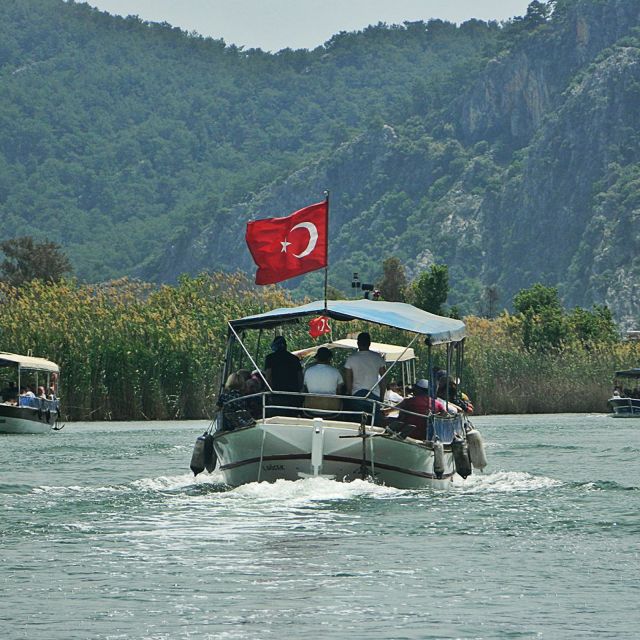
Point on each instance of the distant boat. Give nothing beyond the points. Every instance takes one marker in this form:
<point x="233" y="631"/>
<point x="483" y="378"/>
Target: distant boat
<point x="625" y="402"/>
<point x="288" y="435"/>
<point x="22" y="411"/>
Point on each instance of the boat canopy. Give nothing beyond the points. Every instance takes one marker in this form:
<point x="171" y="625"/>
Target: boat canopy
<point x="390" y="352"/>
<point x="27" y="362"/>
<point x="629" y="373"/>
<point x="400" y="315"/>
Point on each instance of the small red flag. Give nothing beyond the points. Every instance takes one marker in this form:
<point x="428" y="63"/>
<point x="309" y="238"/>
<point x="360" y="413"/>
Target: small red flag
<point x="319" y="326"/>
<point x="283" y="248"/>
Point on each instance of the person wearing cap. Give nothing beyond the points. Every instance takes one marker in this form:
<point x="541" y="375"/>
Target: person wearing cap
<point x="422" y="403"/>
<point x="283" y="372"/>
<point x="321" y="377"/>
<point x="362" y="372"/>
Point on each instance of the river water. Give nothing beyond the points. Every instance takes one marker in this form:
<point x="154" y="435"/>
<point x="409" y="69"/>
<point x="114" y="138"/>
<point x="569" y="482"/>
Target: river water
<point x="105" y="534"/>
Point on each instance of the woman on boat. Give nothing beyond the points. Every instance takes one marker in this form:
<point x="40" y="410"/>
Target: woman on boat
<point x="228" y="401"/>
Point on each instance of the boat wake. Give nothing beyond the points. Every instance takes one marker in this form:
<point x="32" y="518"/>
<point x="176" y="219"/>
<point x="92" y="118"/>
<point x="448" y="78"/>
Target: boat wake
<point x="504" y="482"/>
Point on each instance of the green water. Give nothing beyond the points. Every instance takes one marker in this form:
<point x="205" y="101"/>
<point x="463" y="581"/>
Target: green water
<point x="105" y="534"/>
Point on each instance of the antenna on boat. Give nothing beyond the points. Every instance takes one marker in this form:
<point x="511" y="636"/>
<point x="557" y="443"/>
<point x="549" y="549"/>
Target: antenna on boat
<point x="326" y="240"/>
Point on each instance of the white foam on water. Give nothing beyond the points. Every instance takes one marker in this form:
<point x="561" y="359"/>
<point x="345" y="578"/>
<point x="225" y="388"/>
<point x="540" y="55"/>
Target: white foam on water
<point x="503" y="482"/>
<point x="312" y="490"/>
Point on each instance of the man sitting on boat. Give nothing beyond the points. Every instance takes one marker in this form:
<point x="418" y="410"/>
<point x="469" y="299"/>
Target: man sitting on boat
<point x="283" y="372"/>
<point x="362" y="372"/>
<point x="324" y="379"/>
<point x="420" y="403"/>
<point x="321" y="377"/>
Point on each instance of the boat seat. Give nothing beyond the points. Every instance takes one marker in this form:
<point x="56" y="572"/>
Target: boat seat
<point x="326" y="403"/>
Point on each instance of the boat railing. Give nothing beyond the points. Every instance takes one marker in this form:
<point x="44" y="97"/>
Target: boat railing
<point x="38" y="403"/>
<point x="264" y="404"/>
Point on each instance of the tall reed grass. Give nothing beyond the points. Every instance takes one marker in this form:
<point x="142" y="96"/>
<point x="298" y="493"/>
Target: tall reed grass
<point x="130" y="350"/>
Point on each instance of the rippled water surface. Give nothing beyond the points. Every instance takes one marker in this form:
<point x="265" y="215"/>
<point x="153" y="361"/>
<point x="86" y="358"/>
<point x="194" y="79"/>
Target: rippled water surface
<point x="105" y="534"/>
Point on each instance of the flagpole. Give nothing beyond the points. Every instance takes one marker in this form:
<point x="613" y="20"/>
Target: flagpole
<point x="326" y="248"/>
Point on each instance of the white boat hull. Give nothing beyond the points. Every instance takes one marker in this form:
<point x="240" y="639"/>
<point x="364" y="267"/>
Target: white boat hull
<point x="295" y="448"/>
<point x="15" y="419"/>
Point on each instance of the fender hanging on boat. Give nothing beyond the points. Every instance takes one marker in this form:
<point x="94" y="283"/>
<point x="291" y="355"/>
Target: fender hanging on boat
<point x="438" y="458"/>
<point x="210" y="457"/>
<point x="197" y="457"/>
<point x="476" y="449"/>
<point x="460" y="452"/>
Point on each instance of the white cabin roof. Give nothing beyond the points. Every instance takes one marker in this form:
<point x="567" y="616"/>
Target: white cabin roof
<point x="27" y="362"/>
<point x="390" y="352"/>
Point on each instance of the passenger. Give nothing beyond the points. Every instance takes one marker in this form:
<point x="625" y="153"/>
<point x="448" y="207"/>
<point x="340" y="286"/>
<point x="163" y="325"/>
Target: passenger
<point x="283" y="372"/>
<point x="233" y="389"/>
<point x="254" y="404"/>
<point x="363" y="370"/>
<point x="448" y="390"/>
<point x="422" y="403"/>
<point x="392" y="396"/>
<point x="41" y="393"/>
<point x="51" y="394"/>
<point x="10" y="393"/>
<point x="245" y="374"/>
<point x="321" y="377"/>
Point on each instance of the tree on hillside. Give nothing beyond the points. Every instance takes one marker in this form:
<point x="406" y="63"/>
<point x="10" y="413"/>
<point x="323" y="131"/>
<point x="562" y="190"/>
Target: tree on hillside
<point x="593" y="327"/>
<point x="429" y="291"/>
<point x="394" y="280"/>
<point x="542" y="318"/>
<point x="491" y="297"/>
<point x="537" y="298"/>
<point x="26" y="260"/>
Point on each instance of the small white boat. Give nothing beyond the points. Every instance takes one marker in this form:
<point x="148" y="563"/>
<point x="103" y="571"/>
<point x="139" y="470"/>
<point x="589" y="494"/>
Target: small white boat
<point x="25" y="412"/>
<point x="625" y="403"/>
<point x="320" y="436"/>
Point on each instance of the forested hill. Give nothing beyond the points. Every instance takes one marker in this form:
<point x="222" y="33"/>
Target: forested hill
<point x="509" y="152"/>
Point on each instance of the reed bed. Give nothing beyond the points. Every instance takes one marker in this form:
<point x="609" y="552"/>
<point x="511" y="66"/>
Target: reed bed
<point x="129" y="350"/>
<point x="133" y="351"/>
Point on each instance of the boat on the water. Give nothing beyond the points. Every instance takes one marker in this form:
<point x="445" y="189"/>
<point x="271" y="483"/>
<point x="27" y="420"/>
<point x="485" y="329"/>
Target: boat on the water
<point x="287" y="435"/>
<point x="625" y="402"/>
<point x="22" y="408"/>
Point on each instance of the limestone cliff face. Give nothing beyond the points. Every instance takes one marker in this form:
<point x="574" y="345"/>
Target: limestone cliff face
<point x="515" y="92"/>
<point x="568" y="216"/>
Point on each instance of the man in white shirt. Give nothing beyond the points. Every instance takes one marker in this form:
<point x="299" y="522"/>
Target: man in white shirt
<point x="362" y="371"/>
<point x="321" y="377"/>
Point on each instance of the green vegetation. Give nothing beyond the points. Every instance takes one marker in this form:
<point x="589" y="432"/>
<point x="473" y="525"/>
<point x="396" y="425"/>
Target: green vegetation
<point x="507" y="152"/>
<point x="130" y="350"/>
<point x="27" y="260"/>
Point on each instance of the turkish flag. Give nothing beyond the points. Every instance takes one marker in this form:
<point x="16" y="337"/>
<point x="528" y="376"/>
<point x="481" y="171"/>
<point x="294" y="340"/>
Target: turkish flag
<point x="319" y="326"/>
<point x="283" y="248"/>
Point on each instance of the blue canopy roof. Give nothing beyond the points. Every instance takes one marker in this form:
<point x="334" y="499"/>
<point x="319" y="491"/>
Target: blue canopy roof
<point x="392" y="314"/>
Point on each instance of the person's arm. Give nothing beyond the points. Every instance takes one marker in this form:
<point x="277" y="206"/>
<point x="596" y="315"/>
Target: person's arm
<point x="382" y="385"/>
<point x="339" y="383"/>
<point x="348" y="381"/>
<point x="300" y="376"/>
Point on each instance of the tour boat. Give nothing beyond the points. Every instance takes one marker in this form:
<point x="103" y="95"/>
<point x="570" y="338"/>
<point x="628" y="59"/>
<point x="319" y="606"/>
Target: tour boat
<point x="24" y="412"/>
<point x="625" y="402"/>
<point x="321" y="437"/>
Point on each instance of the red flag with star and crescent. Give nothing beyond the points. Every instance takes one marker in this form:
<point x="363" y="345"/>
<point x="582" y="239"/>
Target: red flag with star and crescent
<point x="283" y="248"/>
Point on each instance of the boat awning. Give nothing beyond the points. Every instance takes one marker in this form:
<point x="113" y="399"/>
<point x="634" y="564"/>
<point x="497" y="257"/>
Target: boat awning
<point x="27" y="362"/>
<point x="437" y="329"/>
<point x="629" y="373"/>
<point x="390" y="352"/>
